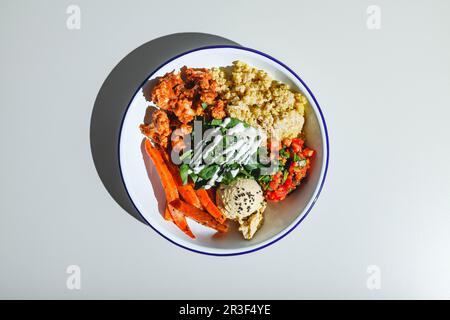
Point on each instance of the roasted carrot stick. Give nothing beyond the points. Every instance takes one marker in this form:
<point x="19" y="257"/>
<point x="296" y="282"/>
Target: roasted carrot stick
<point x="198" y="215"/>
<point x="169" y="186"/>
<point x="168" y="183"/>
<point x="209" y="205"/>
<point x="180" y="220"/>
<point x="187" y="192"/>
<point x="212" y="194"/>
<point x="167" y="214"/>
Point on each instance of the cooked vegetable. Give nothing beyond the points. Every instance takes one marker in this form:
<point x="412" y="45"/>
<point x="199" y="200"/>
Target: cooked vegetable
<point x="186" y="191"/>
<point x="167" y="214"/>
<point x="179" y="219"/>
<point x="169" y="186"/>
<point x="188" y="194"/>
<point x="198" y="215"/>
<point x="167" y="180"/>
<point x="209" y="205"/>
<point x="212" y="194"/>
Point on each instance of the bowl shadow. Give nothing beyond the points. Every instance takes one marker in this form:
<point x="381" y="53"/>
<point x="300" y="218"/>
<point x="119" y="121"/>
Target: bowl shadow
<point x="113" y="99"/>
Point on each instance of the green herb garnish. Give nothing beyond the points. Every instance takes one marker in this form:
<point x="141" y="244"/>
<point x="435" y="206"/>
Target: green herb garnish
<point x="204" y="105"/>
<point x="252" y="166"/>
<point x="199" y="184"/>
<point x="264" y="179"/>
<point x="228" y="178"/>
<point x="207" y="172"/>
<point x="193" y="176"/>
<point x="216" y="122"/>
<point x="284" y="153"/>
<point x="185" y="155"/>
<point x="233" y="122"/>
<point x="184" y="173"/>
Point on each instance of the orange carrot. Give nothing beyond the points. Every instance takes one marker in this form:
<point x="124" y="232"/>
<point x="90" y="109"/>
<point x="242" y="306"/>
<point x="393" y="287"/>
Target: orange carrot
<point x="211" y="193"/>
<point x="187" y="191"/>
<point x="167" y="214"/>
<point x="198" y="215"/>
<point x="210" y="206"/>
<point x="180" y="220"/>
<point x="169" y="186"/>
<point x="171" y="166"/>
<point x="168" y="183"/>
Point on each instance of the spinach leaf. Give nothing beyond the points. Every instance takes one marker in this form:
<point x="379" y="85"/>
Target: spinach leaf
<point x="233" y="166"/>
<point x="227" y="178"/>
<point x="233" y="122"/>
<point x="207" y="172"/>
<point x="193" y="176"/>
<point x="244" y="173"/>
<point x="184" y="173"/>
<point x="216" y="122"/>
<point x="199" y="184"/>
<point x="264" y="179"/>
<point x="252" y="166"/>
<point x="185" y="155"/>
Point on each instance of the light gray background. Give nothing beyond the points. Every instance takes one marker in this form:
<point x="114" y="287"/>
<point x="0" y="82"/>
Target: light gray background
<point x="385" y="95"/>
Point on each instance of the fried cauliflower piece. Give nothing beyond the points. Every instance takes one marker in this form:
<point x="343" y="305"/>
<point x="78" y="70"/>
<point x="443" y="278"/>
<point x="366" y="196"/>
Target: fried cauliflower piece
<point x="159" y="128"/>
<point x="183" y="93"/>
<point x="218" y="110"/>
<point x="191" y="92"/>
<point x="179" y="131"/>
<point x="201" y="80"/>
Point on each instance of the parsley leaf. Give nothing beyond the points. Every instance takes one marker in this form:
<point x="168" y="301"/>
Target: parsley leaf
<point x="284" y="153"/>
<point x="264" y="179"/>
<point x="285" y="176"/>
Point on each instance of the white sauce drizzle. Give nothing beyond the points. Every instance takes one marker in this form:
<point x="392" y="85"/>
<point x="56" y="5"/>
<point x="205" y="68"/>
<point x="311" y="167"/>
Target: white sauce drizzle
<point x="244" y="144"/>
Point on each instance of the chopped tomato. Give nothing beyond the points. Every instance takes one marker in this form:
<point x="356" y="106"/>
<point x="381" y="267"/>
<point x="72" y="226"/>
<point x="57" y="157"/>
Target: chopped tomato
<point x="295" y="163"/>
<point x="308" y="152"/>
<point x="297" y="145"/>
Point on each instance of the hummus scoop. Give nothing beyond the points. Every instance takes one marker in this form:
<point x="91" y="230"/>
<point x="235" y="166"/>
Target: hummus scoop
<point x="242" y="201"/>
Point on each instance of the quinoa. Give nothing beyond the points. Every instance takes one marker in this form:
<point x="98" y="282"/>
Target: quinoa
<point x="254" y="97"/>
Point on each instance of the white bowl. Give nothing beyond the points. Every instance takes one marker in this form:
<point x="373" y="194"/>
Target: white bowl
<point x="145" y="191"/>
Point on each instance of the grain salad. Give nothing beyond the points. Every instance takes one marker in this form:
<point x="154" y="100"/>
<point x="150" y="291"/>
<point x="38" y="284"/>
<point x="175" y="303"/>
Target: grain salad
<point x="255" y="98"/>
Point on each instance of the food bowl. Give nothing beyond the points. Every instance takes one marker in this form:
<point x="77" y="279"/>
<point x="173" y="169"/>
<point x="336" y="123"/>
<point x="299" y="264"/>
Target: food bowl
<point x="145" y="190"/>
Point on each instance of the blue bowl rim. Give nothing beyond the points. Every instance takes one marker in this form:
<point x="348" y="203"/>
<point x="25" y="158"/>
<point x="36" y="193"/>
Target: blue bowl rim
<point x="326" y="147"/>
